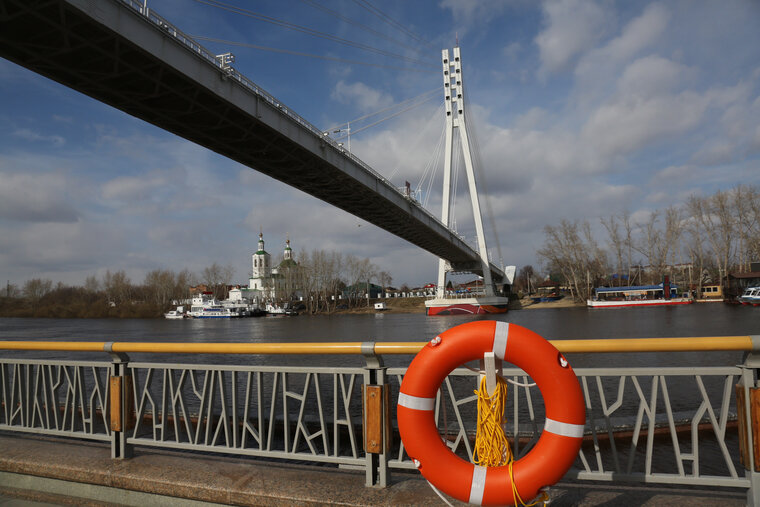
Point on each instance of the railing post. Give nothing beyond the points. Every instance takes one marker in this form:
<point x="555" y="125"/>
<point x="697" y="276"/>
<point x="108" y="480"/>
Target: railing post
<point x="748" y="404"/>
<point x="121" y="406"/>
<point x="376" y="422"/>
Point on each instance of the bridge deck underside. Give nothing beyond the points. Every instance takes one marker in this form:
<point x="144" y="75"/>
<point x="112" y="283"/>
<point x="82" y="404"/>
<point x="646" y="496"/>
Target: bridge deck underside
<point x="59" y="41"/>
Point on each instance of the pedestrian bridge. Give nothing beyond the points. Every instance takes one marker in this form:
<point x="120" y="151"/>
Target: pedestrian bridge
<point x="122" y="54"/>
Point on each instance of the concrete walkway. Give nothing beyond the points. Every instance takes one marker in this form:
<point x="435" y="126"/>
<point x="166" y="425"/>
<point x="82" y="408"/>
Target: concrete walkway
<point x="37" y="471"/>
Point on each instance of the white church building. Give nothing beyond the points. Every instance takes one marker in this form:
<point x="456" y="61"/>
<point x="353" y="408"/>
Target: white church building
<point x="268" y="282"/>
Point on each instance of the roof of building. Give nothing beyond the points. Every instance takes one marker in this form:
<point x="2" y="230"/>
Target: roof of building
<point x="746" y="274"/>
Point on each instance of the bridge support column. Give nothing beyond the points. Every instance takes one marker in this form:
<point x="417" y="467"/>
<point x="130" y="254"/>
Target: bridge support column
<point x="748" y="412"/>
<point x="121" y="405"/>
<point x="375" y="418"/>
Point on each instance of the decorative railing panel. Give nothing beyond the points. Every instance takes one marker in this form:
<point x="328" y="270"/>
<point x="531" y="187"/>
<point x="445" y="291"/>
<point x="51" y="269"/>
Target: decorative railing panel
<point x="55" y="398"/>
<point x="666" y="425"/>
<point x="311" y="414"/>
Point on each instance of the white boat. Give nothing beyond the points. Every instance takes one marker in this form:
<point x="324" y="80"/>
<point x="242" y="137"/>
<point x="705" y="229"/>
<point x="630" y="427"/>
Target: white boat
<point x="206" y="306"/>
<point x="380" y="307"/>
<point x="179" y="313"/>
<point x="276" y="310"/>
<point x="636" y="295"/>
<point x="751" y="296"/>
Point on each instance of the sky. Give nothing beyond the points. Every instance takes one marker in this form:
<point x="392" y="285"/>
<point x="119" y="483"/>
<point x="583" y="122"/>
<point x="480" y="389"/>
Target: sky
<point x="581" y="110"/>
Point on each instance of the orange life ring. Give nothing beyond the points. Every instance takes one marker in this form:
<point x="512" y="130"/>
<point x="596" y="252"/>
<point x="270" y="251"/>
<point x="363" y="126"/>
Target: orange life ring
<point x="550" y="458"/>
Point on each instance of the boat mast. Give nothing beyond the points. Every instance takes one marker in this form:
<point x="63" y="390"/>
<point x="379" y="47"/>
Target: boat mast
<point x="453" y="90"/>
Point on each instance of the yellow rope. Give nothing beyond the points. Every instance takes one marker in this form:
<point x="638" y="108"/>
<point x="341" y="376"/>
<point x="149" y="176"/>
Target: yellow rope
<point x="491" y="445"/>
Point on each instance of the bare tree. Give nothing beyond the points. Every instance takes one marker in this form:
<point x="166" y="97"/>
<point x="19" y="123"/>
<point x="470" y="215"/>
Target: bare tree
<point x="12" y="290"/>
<point x="91" y="284"/>
<point x="217" y="277"/>
<point x="746" y="204"/>
<point x="117" y="286"/>
<point x="385" y="279"/>
<point x="160" y="285"/>
<point x="525" y="279"/>
<point x="714" y="218"/>
<point x="616" y="239"/>
<point x="572" y="250"/>
<point x="36" y="288"/>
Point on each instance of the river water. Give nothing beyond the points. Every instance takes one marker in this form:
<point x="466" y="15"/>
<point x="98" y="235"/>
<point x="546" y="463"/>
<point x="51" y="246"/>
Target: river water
<point x="707" y="319"/>
<point x="713" y="319"/>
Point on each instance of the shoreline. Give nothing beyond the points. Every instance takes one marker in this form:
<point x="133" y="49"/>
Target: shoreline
<point x="393" y="305"/>
<point x="417" y="305"/>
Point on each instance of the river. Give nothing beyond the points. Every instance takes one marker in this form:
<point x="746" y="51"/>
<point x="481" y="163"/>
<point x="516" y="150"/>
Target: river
<point x="707" y="319"/>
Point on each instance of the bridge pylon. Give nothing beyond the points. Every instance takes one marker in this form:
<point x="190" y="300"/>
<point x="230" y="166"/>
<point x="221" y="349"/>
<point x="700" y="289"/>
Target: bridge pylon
<point x="454" y="106"/>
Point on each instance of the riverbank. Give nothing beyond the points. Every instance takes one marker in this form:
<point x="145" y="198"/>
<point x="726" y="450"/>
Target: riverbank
<point x="11" y="307"/>
<point x="417" y="305"/>
<point x="527" y="303"/>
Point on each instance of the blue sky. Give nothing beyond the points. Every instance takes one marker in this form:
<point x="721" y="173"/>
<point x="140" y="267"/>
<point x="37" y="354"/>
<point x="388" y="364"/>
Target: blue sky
<point x="582" y="109"/>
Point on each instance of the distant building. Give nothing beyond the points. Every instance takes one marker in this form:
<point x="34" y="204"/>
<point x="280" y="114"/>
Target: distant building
<point x="198" y="289"/>
<point x="270" y="282"/>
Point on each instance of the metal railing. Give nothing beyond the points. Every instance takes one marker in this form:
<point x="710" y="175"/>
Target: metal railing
<point x="674" y="425"/>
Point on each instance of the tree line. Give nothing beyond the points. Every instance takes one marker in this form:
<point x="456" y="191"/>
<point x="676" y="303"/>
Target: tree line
<point x="700" y="242"/>
<point x="318" y="276"/>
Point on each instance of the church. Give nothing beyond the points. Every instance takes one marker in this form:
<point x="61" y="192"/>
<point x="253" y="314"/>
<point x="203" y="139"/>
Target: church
<point x="273" y="282"/>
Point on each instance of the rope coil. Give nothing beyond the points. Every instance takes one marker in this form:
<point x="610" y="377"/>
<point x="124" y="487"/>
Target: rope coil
<point x="491" y="444"/>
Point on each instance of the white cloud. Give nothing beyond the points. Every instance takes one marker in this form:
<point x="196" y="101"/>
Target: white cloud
<point x="365" y="98"/>
<point x="621" y="127"/>
<point x="45" y="197"/>
<point x="131" y="190"/>
<point x="469" y="15"/>
<point x="653" y="75"/>
<point x="30" y="135"/>
<point x="596" y="68"/>
<point x="572" y="27"/>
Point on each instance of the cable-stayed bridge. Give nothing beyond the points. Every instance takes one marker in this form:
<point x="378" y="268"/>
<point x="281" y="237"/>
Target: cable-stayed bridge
<point x="121" y="53"/>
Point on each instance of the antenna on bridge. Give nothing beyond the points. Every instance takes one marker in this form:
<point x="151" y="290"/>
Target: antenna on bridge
<point x="455" y="119"/>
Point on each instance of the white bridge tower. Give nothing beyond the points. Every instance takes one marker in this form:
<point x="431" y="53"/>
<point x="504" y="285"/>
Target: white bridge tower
<point x="453" y="89"/>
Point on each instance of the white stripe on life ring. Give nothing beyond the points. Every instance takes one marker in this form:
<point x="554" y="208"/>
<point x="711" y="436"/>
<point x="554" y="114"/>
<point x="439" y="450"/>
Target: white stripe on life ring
<point x="500" y="336"/>
<point x="478" y="485"/>
<point x="415" y="402"/>
<point x="564" y="429"/>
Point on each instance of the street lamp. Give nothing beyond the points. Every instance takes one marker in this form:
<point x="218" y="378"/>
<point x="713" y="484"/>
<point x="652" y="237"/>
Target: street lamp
<point x="347" y="130"/>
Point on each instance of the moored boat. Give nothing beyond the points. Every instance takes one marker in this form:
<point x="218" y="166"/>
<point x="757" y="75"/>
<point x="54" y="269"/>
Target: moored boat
<point x="276" y="310"/>
<point x="751" y="296"/>
<point x="637" y="295"/>
<point x="205" y="306"/>
<point x="179" y="313"/>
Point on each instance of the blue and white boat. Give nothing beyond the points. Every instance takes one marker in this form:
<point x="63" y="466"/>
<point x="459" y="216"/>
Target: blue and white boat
<point x="206" y="306"/>
<point x="751" y="296"/>
<point x="638" y="295"/>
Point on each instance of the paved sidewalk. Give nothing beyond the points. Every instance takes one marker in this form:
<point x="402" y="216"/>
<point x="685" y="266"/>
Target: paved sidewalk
<point x="65" y="472"/>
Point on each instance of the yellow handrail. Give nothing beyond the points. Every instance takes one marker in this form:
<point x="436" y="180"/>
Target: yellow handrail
<point x="690" y="344"/>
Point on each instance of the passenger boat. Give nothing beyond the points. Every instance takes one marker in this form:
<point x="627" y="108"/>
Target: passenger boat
<point x="205" y="306"/>
<point x="751" y="296"/>
<point x="637" y="295"/>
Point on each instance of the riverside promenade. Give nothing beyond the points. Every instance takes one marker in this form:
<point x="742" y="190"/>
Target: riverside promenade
<point x="49" y="471"/>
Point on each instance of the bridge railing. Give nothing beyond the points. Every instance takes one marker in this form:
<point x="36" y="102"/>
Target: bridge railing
<point x="673" y="425"/>
<point x="167" y="27"/>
